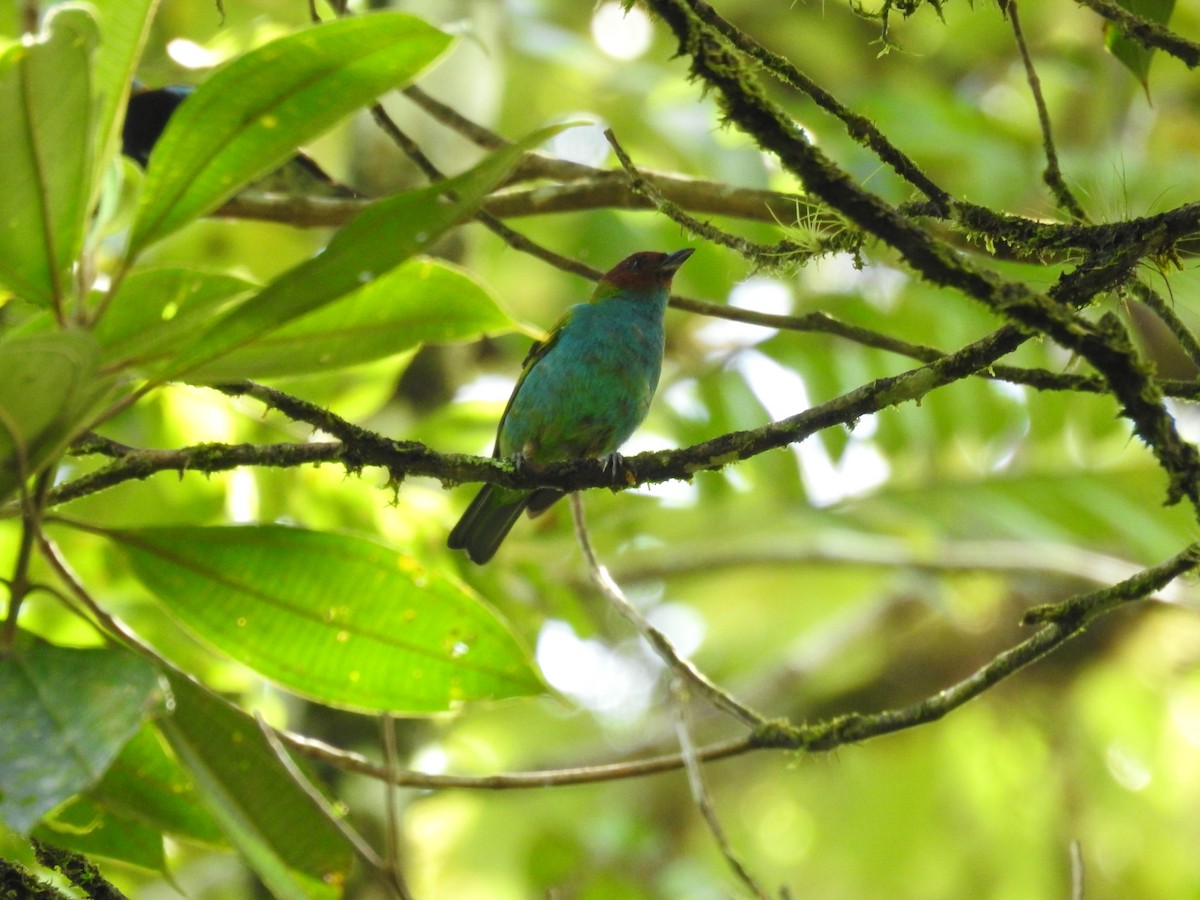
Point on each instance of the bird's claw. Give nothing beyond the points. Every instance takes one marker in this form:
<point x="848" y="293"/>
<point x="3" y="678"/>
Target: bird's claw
<point x="620" y="471"/>
<point x="520" y="464"/>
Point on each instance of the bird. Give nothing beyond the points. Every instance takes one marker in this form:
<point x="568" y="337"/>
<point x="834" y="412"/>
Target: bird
<point x="582" y="392"/>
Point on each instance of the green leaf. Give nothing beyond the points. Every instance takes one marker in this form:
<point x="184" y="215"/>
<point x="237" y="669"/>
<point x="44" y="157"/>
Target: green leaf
<point x="1134" y="55"/>
<point x="66" y="715"/>
<point x="45" y="181"/>
<point x="51" y="390"/>
<point x="419" y="302"/>
<point x="250" y="116"/>
<point x="145" y="784"/>
<point x="378" y="239"/>
<point x="144" y="795"/>
<point x="124" y="25"/>
<point x="154" y="310"/>
<point x="86" y="828"/>
<point x="344" y="621"/>
<point x="279" y="829"/>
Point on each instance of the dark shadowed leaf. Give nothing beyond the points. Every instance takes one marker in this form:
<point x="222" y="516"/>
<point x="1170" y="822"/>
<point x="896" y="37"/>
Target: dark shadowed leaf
<point x="66" y="713"/>
<point x="296" y="851"/>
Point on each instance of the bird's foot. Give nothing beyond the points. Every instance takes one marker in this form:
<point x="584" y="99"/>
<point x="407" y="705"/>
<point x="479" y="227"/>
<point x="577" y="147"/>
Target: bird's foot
<point x="619" y="470"/>
<point x="520" y="464"/>
<point x="525" y="466"/>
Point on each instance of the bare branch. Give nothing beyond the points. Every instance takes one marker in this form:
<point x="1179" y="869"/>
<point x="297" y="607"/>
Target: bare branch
<point x="1063" y="622"/>
<point x="1053" y="174"/>
<point x="702" y="798"/>
<point x="661" y="644"/>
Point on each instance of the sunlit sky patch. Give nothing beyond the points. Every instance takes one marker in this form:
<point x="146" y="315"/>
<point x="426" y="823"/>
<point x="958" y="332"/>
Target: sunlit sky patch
<point x="756" y="293"/>
<point x="601" y="678"/>
<point x="584" y="143"/>
<point x="619" y="34"/>
<point x="241" y="496"/>
<point x="880" y="285"/>
<point x="782" y="393"/>
<point x="191" y="55"/>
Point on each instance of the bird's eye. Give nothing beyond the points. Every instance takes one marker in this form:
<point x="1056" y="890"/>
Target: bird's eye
<point x="635" y="263"/>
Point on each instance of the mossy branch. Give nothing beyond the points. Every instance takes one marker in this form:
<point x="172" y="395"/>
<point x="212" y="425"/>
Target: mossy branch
<point x="1105" y="344"/>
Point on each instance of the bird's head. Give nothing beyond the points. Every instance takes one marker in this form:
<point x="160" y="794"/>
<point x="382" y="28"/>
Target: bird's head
<point x="643" y="271"/>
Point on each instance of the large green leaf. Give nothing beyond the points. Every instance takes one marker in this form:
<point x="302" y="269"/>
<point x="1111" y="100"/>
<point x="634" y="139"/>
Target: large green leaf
<point x="50" y="390"/>
<point x="45" y="181"/>
<point x="124" y="25"/>
<point x="66" y="714"/>
<point x="155" y="310"/>
<point x="280" y="830"/>
<point x="420" y="301"/>
<point x="344" y="621"/>
<point x="377" y="240"/>
<point x="147" y="785"/>
<point x="250" y="116"/>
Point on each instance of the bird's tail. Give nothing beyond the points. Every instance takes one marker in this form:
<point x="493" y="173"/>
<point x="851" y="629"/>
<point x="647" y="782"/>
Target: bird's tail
<point x="487" y="520"/>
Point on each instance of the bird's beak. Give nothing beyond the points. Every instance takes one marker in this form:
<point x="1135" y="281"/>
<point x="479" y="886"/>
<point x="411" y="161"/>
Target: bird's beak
<point x="675" y="260"/>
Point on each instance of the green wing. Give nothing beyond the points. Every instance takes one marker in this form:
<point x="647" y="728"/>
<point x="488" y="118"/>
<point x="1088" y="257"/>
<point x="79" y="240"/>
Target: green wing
<point x="536" y="352"/>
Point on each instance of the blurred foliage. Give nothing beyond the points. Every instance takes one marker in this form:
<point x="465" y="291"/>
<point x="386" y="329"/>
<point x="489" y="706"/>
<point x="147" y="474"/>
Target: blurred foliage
<point x="865" y="569"/>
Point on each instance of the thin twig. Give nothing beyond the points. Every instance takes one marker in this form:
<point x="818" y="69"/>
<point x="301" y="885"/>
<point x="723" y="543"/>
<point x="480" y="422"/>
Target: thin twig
<point x="1075" y="850"/>
<point x="298" y="410"/>
<point x="1062" y="623"/>
<point x="513" y="238"/>
<point x="860" y="128"/>
<point x="761" y="255"/>
<point x="32" y="504"/>
<point x="387" y="728"/>
<point x="364" y="850"/>
<point x="1053" y="174"/>
<point x="675" y="661"/>
<point x="699" y="790"/>
<point x="349" y="761"/>
<point x="108" y="623"/>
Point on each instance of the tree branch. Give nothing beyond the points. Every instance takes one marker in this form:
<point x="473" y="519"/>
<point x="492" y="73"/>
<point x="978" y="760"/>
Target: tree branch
<point x="1105" y="343"/>
<point x="402" y="458"/>
<point x="1146" y="32"/>
<point x="1063" y="622"/>
<point x="680" y="666"/>
<point x="360" y="447"/>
